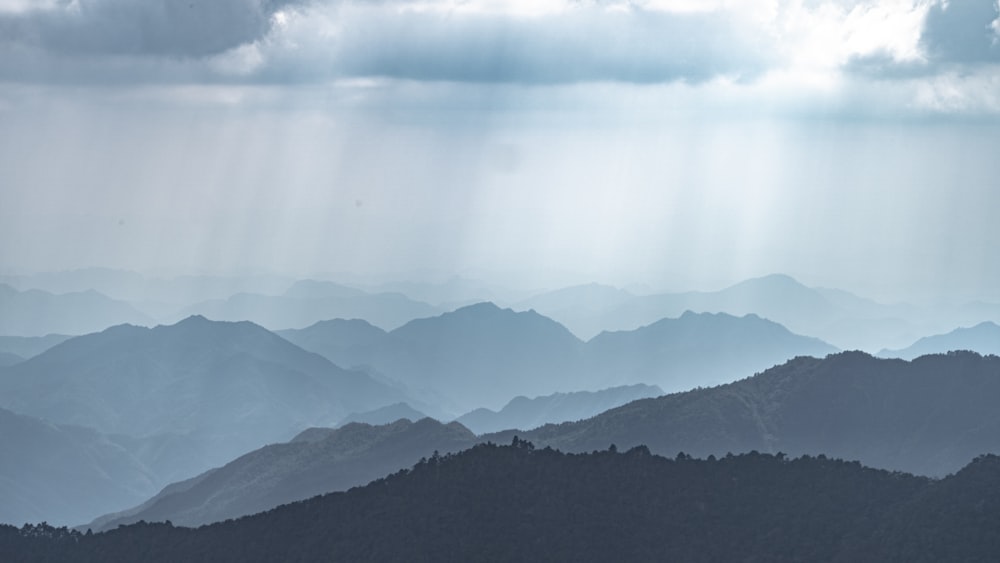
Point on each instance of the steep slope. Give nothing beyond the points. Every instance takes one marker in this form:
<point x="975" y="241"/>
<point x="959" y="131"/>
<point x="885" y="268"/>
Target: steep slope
<point x="516" y="503"/>
<point x="63" y="474"/>
<point x="983" y="338"/>
<point x="207" y="390"/>
<point x="929" y="416"/>
<point x="316" y="462"/>
<point x="522" y="412"/>
<point x="37" y="313"/>
<point x="696" y="350"/>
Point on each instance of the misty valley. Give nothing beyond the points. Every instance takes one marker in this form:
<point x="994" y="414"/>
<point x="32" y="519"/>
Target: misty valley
<point x="214" y="418"/>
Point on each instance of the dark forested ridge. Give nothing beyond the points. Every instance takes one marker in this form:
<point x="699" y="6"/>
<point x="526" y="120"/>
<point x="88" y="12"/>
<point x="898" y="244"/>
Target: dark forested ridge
<point x="928" y="416"/>
<point x="517" y="503"/>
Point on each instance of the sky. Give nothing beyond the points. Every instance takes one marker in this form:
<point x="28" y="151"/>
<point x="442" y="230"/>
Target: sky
<point x="677" y="144"/>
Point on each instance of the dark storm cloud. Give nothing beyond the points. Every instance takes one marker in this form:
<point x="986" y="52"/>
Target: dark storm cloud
<point x="177" y="28"/>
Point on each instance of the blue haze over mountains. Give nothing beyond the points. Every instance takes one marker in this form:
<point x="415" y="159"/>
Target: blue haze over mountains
<point x="138" y="406"/>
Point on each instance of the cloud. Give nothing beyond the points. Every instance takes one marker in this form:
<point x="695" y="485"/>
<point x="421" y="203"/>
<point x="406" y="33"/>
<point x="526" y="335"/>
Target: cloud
<point x="963" y="31"/>
<point x="543" y="42"/>
<point x="583" y="44"/>
<point x="173" y="28"/>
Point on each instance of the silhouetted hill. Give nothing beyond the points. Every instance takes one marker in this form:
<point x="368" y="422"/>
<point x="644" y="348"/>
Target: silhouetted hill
<point x="318" y="461"/>
<point x="308" y="302"/>
<point x="198" y="392"/>
<point x="697" y="350"/>
<point x="517" y="503"/>
<point x="983" y="338"/>
<point x="37" y="313"/>
<point x="63" y="474"/>
<point x="525" y="413"/>
<point x="482" y="355"/>
<point x="929" y="416"/>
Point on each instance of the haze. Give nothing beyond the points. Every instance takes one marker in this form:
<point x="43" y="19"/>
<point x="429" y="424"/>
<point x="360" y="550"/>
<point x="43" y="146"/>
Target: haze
<point x="672" y="144"/>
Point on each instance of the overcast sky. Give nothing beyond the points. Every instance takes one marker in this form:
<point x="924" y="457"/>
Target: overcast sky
<point x="675" y="143"/>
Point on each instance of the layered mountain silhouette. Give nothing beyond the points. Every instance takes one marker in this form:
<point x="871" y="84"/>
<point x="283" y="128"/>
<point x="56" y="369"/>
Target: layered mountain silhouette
<point x="64" y="474"/>
<point x="929" y="416"/>
<point x="983" y="338"/>
<point x="196" y="394"/>
<point x="307" y="302"/>
<point x="315" y="462"/>
<point x="838" y="317"/>
<point x="37" y="313"/>
<point x="473" y="356"/>
<point x="482" y="355"/>
<point x="518" y="503"/>
<point x="522" y="412"/>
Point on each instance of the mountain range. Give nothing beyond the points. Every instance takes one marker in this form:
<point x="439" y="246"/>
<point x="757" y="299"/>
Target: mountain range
<point x="929" y="417"/>
<point x="482" y="355"/>
<point x="519" y="503"/>
<point x="836" y="316"/>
